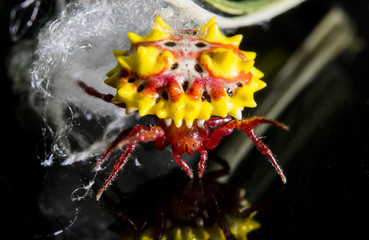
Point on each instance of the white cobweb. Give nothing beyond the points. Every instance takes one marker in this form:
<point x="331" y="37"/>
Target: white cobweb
<point x="77" y="46"/>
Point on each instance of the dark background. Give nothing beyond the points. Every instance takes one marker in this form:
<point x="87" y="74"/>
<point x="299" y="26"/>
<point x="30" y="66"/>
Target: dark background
<point x="326" y="196"/>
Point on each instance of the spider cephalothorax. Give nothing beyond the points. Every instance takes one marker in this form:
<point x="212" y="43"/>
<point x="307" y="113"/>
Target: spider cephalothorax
<point x="184" y="76"/>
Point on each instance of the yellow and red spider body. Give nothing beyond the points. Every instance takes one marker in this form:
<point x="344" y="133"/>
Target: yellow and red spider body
<point x="184" y="77"/>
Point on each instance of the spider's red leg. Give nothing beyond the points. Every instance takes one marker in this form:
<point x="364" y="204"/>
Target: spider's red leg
<point x="112" y="147"/>
<point x="203" y="159"/>
<point x="227" y="129"/>
<point x="266" y="151"/>
<point x="160" y="142"/>
<point x="253" y="122"/>
<point x="247" y="125"/>
<point x="182" y="163"/>
<point x="145" y="134"/>
<point x="138" y="134"/>
<point x="218" y="121"/>
<point x="91" y="91"/>
<point x="217" y="135"/>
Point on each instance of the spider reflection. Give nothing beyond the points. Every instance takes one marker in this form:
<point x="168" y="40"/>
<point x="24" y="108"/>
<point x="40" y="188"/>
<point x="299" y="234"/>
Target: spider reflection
<point x="172" y="208"/>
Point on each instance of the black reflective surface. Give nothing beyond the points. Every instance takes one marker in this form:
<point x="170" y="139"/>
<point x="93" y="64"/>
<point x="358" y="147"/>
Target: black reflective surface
<point x="325" y="153"/>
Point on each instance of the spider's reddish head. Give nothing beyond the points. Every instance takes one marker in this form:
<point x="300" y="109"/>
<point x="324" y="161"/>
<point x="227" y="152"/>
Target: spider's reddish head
<point x="186" y="140"/>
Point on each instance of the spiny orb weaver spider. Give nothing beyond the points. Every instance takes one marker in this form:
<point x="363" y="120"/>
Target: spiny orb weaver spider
<point x="184" y="76"/>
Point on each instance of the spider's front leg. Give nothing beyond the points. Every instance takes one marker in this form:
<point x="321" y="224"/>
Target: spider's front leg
<point x="137" y="134"/>
<point x="93" y="92"/>
<point x="248" y="126"/>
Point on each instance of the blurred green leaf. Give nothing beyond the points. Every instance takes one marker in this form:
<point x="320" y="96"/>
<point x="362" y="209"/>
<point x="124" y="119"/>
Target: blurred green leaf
<point x="239" y="7"/>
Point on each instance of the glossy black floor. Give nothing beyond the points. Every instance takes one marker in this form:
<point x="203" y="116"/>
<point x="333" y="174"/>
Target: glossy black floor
<point x="325" y="197"/>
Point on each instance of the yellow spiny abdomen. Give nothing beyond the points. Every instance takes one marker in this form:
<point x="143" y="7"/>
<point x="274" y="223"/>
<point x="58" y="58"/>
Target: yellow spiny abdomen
<point x="181" y="76"/>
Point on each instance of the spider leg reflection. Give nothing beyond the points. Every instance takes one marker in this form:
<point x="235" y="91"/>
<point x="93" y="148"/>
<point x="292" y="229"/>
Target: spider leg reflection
<point x="200" y="206"/>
